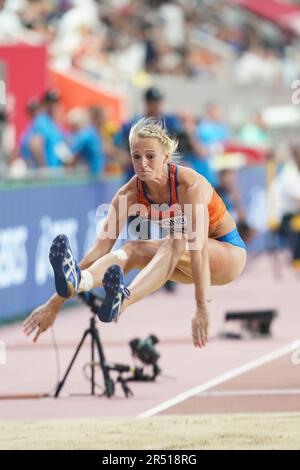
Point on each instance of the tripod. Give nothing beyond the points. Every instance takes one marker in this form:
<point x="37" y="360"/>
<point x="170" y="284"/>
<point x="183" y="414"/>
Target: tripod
<point x="94" y="303"/>
<point x="143" y="350"/>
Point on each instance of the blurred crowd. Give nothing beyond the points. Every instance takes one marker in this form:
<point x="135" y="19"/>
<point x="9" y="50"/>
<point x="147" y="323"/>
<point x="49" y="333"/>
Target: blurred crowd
<point x="85" y="138"/>
<point x="113" y="39"/>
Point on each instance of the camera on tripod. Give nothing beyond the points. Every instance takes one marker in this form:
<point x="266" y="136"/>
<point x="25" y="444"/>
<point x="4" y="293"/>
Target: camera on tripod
<point x="144" y="350"/>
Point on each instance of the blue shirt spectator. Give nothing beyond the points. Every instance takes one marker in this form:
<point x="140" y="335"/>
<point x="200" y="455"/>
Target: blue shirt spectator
<point x="33" y="108"/>
<point x="210" y="131"/>
<point x="43" y="142"/>
<point x="54" y="143"/>
<point x="24" y="145"/>
<point x="54" y="146"/>
<point x="88" y="144"/>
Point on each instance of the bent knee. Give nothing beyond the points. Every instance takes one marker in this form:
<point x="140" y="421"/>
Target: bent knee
<point x="139" y="252"/>
<point x="129" y="247"/>
<point x="231" y="273"/>
<point x="179" y="245"/>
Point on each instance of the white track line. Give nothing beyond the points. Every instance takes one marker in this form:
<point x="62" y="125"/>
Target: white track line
<point x="253" y="392"/>
<point x="220" y="379"/>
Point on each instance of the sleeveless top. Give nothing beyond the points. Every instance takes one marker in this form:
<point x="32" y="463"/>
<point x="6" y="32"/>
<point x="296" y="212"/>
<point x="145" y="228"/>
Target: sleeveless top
<point x="216" y="206"/>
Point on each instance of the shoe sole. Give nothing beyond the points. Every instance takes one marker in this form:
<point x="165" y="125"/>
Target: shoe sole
<point x="58" y="251"/>
<point x="112" y="280"/>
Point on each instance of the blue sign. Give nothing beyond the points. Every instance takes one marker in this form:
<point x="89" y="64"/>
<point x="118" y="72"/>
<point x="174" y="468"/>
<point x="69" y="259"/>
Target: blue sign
<point x="29" y="220"/>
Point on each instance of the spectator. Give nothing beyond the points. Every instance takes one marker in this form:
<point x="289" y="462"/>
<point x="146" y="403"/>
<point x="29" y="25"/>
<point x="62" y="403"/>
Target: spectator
<point x="258" y="64"/>
<point x="255" y="134"/>
<point x="122" y="38"/>
<point x="173" y="24"/>
<point x="107" y="129"/>
<point x="86" y="142"/>
<point x="153" y="107"/>
<point x="47" y="144"/>
<point x="212" y="129"/>
<point x="190" y="149"/>
<point x="228" y="191"/>
<point x="151" y="48"/>
<point x="212" y="132"/>
<point x="3" y="152"/>
<point x="11" y="28"/>
<point x="286" y="192"/>
<point x="33" y="108"/>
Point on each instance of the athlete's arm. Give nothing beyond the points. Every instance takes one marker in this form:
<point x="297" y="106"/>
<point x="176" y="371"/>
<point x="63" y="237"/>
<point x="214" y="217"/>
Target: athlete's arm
<point x="198" y="222"/>
<point x="113" y="224"/>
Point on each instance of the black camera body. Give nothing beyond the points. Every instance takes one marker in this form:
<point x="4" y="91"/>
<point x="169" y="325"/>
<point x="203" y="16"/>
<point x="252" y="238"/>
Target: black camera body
<point x="144" y="349"/>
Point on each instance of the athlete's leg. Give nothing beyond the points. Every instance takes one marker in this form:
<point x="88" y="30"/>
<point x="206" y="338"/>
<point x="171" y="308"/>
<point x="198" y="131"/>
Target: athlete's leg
<point x="155" y="273"/>
<point x="92" y="277"/>
<point x="167" y="259"/>
<point x="162" y="260"/>
<point x="134" y="254"/>
<point x="226" y="263"/>
<point x="157" y="270"/>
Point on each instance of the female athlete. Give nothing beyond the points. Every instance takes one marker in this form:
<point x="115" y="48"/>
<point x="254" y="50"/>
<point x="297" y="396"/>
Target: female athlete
<point x="203" y="246"/>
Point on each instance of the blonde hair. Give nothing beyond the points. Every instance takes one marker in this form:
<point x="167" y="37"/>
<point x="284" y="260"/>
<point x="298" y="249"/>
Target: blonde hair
<point x="151" y="127"/>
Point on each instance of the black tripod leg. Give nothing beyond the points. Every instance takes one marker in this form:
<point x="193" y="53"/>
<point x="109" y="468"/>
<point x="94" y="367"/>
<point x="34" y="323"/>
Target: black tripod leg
<point x="109" y="385"/>
<point x="93" y="364"/>
<point x="61" y="383"/>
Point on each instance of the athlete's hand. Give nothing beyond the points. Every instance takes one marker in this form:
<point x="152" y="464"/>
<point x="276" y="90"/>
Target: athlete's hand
<point x="40" y="320"/>
<point x="200" y="327"/>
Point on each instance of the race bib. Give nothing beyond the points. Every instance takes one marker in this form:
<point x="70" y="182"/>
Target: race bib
<point x="174" y="224"/>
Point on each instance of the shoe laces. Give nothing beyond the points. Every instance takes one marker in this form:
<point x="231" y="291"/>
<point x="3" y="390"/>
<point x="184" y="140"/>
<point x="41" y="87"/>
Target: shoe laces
<point x="126" y="292"/>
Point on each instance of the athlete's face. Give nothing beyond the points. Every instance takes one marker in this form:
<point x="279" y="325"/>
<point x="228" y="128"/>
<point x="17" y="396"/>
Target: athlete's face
<point x="148" y="157"/>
